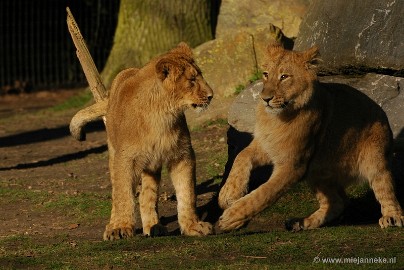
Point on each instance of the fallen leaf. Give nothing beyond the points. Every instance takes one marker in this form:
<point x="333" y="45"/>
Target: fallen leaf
<point x="74" y="226"/>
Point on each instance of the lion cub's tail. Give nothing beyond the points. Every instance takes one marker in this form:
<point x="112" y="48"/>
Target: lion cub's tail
<point x="85" y="116"/>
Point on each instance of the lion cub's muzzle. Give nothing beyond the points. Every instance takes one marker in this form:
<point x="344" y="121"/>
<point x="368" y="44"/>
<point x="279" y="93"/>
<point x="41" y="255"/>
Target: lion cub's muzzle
<point x="274" y="104"/>
<point x="203" y="100"/>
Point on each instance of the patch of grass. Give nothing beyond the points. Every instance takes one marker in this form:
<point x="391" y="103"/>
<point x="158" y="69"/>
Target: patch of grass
<point x="239" y="89"/>
<point x="83" y="205"/>
<point x="272" y="250"/>
<point x="88" y="206"/>
<point x="254" y="77"/>
<point x="357" y="191"/>
<point x="14" y="194"/>
<point x="216" y="165"/>
<point x="216" y="122"/>
<point x="277" y="249"/>
<point x="221" y="122"/>
<point x="74" y="102"/>
<point x="299" y="201"/>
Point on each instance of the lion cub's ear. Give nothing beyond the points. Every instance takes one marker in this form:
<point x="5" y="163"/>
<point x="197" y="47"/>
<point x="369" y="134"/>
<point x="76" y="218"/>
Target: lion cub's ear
<point x="183" y="48"/>
<point x="167" y="67"/>
<point x="312" y="57"/>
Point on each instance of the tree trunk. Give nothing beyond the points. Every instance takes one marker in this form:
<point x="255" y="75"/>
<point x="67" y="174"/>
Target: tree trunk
<point x="148" y="28"/>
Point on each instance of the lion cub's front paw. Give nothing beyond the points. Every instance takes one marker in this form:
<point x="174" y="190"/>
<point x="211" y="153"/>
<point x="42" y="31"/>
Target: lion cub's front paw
<point x="228" y="195"/>
<point x="232" y="219"/>
<point x="116" y="232"/>
<point x="198" y="228"/>
<point x="391" y="221"/>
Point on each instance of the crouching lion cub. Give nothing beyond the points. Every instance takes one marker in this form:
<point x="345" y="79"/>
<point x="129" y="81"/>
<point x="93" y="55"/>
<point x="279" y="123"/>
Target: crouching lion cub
<point x="146" y="128"/>
<point x="328" y="134"/>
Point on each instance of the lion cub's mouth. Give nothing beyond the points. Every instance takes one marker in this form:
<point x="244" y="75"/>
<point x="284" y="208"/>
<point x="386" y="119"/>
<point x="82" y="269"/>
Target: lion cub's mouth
<point x="199" y="107"/>
<point x="194" y="105"/>
<point x="276" y="108"/>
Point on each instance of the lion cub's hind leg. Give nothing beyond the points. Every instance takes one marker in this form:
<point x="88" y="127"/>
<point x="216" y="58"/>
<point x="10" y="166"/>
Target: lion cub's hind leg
<point x="332" y="201"/>
<point x="148" y="201"/>
<point x="125" y="176"/>
<point x="382" y="185"/>
<point x="183" y="177"/>
<point x="375" y="167"/>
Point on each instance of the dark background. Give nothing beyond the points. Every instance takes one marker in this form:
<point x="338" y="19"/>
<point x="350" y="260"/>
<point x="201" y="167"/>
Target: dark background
<point x="36" y="51"/>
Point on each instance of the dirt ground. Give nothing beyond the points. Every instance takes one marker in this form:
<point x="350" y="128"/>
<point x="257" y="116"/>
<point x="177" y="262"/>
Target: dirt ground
<point x="38" y="154"/>
<point x="55" y="200"/>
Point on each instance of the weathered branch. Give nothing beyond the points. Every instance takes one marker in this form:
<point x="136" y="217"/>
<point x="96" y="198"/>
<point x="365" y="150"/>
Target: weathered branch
<point x="90" y="70"/>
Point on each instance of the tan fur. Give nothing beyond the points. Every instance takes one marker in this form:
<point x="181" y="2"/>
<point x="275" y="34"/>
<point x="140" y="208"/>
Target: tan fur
<point x="146" y="129"/>
<point x="327" y="134"/>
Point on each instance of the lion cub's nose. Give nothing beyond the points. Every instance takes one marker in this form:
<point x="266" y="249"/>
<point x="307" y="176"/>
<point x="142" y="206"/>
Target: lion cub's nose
<point x="267" y="99"/>
<point x="210" y="97"/>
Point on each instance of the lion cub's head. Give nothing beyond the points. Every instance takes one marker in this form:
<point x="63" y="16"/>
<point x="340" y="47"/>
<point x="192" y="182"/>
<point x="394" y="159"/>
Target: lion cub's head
<point x="289" y="78"/>
<point x="183" y="79"/>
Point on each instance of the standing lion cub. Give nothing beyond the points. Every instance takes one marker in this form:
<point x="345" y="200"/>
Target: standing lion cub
<point x="327" y="134"/>
<point x="146" y="129"/>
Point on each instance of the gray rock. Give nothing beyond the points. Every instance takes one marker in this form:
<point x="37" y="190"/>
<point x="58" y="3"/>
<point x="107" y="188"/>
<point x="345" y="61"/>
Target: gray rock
<point x="394" y="109"/>
<point x="384" y="90"/>
<point x="355" y="35"/>
<point x="242" y="111"/>
<point x="380" y="88"/>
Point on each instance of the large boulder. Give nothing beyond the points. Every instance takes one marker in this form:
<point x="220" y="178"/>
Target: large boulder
<point x="244" y="29"/>
<point x="394" y="109"/>
<point x="230" y="61"/>
<point x="384" y="90"/>
<point x="355" y="36"/>
<point x="242" y="112"/>
<point x="236" y="14"/>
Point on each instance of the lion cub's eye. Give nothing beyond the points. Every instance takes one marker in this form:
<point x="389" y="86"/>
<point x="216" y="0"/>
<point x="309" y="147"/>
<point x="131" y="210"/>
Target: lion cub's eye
<point x="265" y="75"/>
<point x="284" y="76"/>
<point x="192" y="80"/>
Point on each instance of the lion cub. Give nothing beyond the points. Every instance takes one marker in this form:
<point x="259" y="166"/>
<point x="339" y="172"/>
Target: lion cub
<point x="146" y="129"/>
<point x="328" y="134"/>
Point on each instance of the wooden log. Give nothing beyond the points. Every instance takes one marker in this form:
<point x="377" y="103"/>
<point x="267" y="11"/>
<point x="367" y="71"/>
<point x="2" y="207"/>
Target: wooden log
<point x="87" y="63"/>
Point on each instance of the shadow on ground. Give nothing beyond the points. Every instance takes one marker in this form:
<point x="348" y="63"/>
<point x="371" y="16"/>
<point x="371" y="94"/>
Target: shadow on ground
<point x="49" y="134"/>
